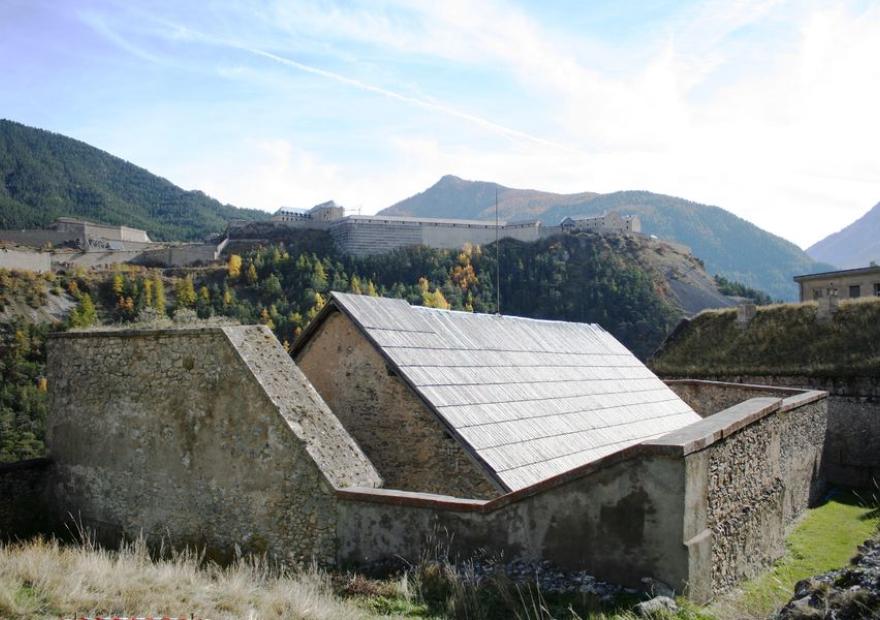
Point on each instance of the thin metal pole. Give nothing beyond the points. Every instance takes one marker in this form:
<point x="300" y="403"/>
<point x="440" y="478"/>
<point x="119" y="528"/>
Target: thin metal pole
<point x="497" y="259"/>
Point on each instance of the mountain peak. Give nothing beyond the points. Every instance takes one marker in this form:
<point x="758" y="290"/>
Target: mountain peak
<point x="854" y="246"/>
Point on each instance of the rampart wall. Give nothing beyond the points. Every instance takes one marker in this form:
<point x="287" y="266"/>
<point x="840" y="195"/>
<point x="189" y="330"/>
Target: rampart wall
<point x="20" y="260"/>
<point x="852" y="444"/>
<point x="38" y="238"/>
<point x="375" y="236"/>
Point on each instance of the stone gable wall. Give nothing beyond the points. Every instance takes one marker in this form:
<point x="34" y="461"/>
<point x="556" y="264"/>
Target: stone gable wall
<point x="404" y="440"/>
<point x="180" y="435"/>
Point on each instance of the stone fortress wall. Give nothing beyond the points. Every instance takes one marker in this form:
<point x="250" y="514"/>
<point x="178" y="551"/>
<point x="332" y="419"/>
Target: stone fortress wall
<point x="89" y="245"/>
<point x="21" y="259"/>
<point x="213" y="437"/>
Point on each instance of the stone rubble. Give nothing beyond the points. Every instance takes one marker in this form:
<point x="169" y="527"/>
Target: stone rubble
<point x="550" y="579"/>
<point x="845" y="594"/>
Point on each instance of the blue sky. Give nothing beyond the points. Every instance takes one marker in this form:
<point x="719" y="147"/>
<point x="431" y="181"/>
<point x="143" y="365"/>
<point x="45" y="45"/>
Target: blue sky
<point x="767" y="108"/>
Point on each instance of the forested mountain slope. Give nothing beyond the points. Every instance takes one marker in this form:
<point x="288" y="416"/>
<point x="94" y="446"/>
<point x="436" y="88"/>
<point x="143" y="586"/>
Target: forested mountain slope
<point x="729" y="245"/>
<point x="44" y="175"/>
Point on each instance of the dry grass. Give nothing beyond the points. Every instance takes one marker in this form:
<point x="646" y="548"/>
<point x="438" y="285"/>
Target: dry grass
<point x="45" y="579"/>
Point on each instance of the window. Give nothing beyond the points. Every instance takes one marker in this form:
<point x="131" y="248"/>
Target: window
<point x="876" y="289"/>
<point x="855" y="291"/>
<point x="817" y="293"/>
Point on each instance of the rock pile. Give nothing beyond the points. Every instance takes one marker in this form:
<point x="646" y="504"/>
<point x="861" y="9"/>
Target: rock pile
<point x="846" y="594"/>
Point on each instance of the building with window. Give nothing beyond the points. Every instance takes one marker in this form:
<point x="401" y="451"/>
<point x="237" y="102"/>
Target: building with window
<point x="846" y="284"/>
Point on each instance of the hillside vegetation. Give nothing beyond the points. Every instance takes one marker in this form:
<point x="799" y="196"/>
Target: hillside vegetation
<point x="781" y="339"/>
<point x="636" y="289"/>
<point x="729" y="245"/>
<point x="44" y="175"/>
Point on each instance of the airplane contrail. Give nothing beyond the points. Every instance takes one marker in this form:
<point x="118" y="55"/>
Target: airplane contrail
<point x="422" y="103"/>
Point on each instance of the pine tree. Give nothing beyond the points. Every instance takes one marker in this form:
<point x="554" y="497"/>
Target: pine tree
<point x="159" y="295"/>
<point x="185" y="293"/>
<point x="148" y="293"/>
<point x="251" y="275"/>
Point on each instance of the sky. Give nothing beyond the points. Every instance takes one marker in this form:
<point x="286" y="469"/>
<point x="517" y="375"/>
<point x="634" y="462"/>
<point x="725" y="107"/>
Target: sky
<point x="767" y="108"/>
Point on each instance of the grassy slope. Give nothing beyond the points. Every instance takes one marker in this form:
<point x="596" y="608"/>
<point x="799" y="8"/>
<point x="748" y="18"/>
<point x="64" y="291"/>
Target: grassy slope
<point x="782" y="339"/>
<point x="44" y="175"/>
<point x="824" y="540"/>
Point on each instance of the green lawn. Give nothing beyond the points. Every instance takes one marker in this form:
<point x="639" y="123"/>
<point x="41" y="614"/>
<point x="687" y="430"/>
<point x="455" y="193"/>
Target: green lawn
<point x="825" y="539"/>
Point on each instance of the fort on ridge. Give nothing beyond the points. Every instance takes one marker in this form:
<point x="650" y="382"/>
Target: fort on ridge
<point x="374" y="234"/>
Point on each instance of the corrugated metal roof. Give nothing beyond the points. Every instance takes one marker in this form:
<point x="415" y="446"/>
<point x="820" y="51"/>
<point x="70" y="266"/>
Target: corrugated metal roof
<point x="530" y="398"/>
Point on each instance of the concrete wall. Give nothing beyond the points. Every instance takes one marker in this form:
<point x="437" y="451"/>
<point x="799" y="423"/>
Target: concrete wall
<point x="852" y="442"/>
<point x="200" y="436"/>
<point x="23" y="491"/>
<point x="699" y="509"/>
<point x="21" y="260"/>
<point x="403" y="439"/>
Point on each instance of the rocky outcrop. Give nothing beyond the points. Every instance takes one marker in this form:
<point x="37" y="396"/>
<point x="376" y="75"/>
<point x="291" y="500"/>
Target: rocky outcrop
<point x="845" y="594"/>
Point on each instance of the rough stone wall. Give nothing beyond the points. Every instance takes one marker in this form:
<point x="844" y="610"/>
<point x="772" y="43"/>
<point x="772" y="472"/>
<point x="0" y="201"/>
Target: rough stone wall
<point x="745" y="503"/>
<point x="198" y="436"/>
<point x="852" y="446"/>
<point x="760" y="479"/>
<point x="23" y="491"/>
<point x="403" y="439"/>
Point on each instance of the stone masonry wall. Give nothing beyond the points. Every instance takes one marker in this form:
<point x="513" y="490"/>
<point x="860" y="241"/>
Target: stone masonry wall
<point x="700" y="508"/>
<point x="23" y="492"/>
<point x="852" y="442"/>
<point x="404" y="440"/>
<point x="203" y="436"/>
<point x="760" y="479"/>
<point x="619" y="521"/>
